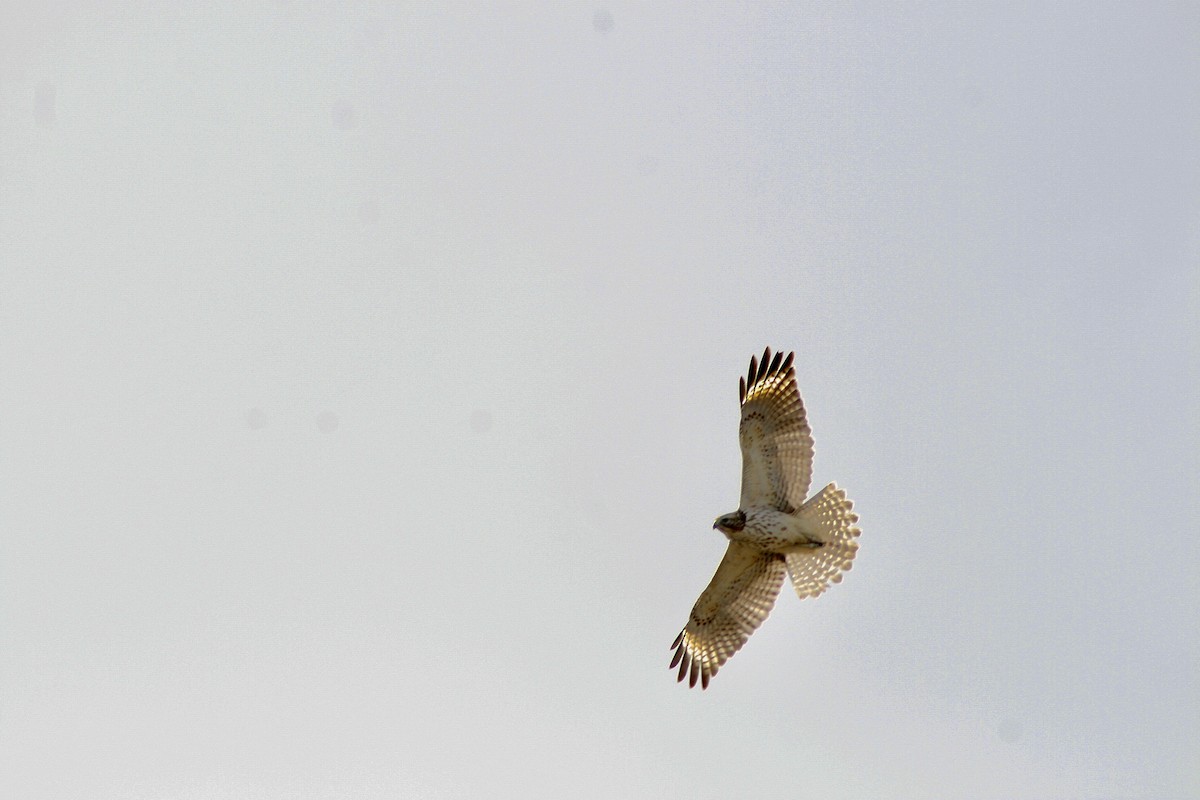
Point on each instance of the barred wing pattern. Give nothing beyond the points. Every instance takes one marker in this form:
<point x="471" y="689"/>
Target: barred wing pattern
<point x="777" y="445"/>
<point x="739" y="597"/>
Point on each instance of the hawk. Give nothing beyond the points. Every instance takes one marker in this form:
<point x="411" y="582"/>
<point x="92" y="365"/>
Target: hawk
<point x="774" y="532"/>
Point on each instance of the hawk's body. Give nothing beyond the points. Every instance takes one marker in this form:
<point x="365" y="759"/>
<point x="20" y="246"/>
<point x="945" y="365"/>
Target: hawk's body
<point x="775" y="531"/>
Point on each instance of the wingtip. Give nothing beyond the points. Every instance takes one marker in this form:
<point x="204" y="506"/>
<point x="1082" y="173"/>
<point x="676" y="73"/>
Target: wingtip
<point x="675" y="660"/>
<point x="684" y="665"/>
<point x="768" y="366"/>
<point x="690" y="668"/>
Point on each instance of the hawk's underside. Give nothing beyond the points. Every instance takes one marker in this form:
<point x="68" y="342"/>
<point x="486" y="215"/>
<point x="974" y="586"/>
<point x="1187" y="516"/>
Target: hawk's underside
<point x="774" y="532"/>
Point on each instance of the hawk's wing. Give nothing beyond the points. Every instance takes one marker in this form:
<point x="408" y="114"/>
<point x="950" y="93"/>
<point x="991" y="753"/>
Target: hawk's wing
<point x="777" y="445"/>
<point x="738" y="598"/>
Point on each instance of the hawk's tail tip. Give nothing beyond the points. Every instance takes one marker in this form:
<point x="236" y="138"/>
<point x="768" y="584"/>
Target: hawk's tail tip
<point x="833" y="513"/>
<point x="831" y="520"/>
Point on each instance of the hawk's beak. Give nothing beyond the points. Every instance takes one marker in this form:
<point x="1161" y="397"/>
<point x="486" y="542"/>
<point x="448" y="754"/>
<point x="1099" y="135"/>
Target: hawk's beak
<point x="716" y="525"/>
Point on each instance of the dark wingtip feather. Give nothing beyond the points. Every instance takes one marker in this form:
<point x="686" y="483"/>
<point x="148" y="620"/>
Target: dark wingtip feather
<point x="742" y="389"/>
<point x="683" y="668"/>
<point x="704" y="676"/>
<point x="694" y="674"/>
<point x="678" y="639"/>
<point x="753" y="374"/>
<point x="675" y="660"/>
<point x="787" y="362"/>
<point x="775" y="363"/>
<point x="766" y="361"/>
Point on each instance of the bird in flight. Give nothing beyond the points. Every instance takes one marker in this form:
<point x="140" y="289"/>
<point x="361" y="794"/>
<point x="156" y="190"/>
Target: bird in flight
<point x="775" y="530"/>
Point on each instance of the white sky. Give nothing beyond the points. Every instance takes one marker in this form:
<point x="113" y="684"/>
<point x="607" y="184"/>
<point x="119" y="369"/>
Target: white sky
<point x="368" y="383"/>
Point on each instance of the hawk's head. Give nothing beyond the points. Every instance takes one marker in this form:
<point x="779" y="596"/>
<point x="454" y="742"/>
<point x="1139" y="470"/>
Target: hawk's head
<point x="731" y="523"/>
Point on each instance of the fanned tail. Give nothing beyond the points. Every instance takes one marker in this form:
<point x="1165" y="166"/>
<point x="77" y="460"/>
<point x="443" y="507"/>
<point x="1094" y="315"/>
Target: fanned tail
<point x="832" y="521"/>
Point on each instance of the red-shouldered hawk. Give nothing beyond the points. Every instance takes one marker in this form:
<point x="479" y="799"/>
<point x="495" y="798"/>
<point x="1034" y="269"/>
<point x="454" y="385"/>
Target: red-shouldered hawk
<point x="775" y="531"/>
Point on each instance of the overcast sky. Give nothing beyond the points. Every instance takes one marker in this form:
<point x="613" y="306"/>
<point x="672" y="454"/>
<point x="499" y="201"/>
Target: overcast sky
<point x="368" y="388"/>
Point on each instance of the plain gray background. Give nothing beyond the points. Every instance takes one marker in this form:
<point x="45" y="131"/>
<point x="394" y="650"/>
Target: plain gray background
<point x="368" y="382"/>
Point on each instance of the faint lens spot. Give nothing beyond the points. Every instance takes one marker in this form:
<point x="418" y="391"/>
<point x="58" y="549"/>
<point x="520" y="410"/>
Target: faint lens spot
<point x="256" y="419"/>
<point x="368" y="211"/>
<point x="43" y="104"/>
<point x="343" y="116"/>
<point x="481" y="420"/>
<point x="1009" y="730"/>
<point x="327" y="422"/>
<point x="602" y="20"/>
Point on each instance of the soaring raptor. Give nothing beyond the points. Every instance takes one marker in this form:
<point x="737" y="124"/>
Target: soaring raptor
<point x="774" y="531"/>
